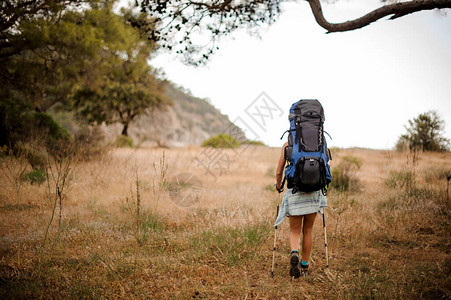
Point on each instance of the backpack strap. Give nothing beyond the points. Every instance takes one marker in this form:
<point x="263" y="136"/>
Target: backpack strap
<point x="327" y="134"/>
<point x="283" y="182"/>
<point x="286" y="160"/>
<point x="297" y="136"/>
<point x="288" y="130"/>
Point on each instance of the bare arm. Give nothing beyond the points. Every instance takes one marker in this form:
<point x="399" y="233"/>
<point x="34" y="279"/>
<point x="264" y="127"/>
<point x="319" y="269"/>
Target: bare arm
<point x="280" y="166"/>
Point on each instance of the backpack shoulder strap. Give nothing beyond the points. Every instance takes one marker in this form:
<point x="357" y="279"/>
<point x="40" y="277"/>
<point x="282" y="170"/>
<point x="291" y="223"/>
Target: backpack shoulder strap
<point x="287" y="160"/>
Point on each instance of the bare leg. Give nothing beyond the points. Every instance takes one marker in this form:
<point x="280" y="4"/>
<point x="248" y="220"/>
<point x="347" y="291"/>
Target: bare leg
<point x="307" y="239"/>
<point x="295" y="231"/>
<point x="295" y="234"/>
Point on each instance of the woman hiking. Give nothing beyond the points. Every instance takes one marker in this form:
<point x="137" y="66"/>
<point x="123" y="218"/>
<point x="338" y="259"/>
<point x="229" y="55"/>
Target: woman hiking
<point x="301" y="209"/>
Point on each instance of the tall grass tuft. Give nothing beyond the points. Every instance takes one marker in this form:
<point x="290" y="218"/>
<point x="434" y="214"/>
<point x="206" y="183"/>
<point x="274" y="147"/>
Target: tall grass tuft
<point x="437" y="175"/>
<point x="13" y="166"/>
<point x="403" y="180"/>
<point x="35" y="177"/>
<point x="231" y="245"/>
<point x="343" y="175"/>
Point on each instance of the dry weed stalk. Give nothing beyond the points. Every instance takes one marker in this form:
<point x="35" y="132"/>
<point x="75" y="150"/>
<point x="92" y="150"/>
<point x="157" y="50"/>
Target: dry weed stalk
<point x="138" y="204"/>
<point x="13" y="166"/>
<point x="412" y="159"/>
<point x="138" y="235"/>
<point x="160" y="173"/>
<point x="135" y="210"/>
<point x="340" y="211"/>
<point x="58" y="168"/>
<point x="134" y="205"/>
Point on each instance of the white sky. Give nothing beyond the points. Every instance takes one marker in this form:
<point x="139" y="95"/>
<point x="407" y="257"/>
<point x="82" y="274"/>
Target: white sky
<point x="370" y="81"/>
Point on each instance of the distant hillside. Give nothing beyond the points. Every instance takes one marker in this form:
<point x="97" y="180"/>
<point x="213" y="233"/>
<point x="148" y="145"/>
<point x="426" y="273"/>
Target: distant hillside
<point x="189" y="121"/>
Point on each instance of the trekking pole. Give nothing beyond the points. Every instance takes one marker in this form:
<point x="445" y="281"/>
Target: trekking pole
<point x="447" y="189"/>
<point x="325" y="237"/>
<point x="275" y="234"/>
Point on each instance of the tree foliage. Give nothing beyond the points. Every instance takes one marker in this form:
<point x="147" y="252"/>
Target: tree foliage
<point x="53" y="50"/>
<point x="179" y="22"/>
<point x="130" y="90"/>
<point x="124" y="86"/>
<point x="19" y="122"/>
<point x="425" y="133"/>
<point x="15" y="15"/>
<point x="62" y="52"/>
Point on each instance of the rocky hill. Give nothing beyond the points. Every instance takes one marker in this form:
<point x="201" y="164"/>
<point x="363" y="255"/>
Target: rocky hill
<point x="189" y="121"/>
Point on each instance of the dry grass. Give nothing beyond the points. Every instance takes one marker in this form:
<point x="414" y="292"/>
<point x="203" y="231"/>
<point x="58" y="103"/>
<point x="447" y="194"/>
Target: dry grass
<point x="386" y="241"/>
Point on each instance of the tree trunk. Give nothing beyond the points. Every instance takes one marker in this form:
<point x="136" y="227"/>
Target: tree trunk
<point x="124" y="130"/>
<point x="396" y="10"/>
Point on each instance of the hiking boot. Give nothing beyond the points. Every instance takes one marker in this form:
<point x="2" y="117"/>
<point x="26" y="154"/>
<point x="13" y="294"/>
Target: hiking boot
<point x="304" y="270"/>
<point x="294" y="265"/>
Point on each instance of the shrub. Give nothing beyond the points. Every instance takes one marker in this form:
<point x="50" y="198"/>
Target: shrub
<point x="19" y="123"/>
<point x="435" y="175"/>
<point x="55" y="132"/>
<point x="90" y="142"/>
<point x="13" y="116"/>
<point x="402" y="144"/>
<point x="425" y="133"/>
<point x="124" y="141"/>
<point x="35" y="176"/>
<point x="343" y="175"/>
<point x="254" y="143"/>
<point x="221" y="141"/>
<point x="35" y="154"/>
<point x="404" y="179"/>
<point x="416" y="198"/>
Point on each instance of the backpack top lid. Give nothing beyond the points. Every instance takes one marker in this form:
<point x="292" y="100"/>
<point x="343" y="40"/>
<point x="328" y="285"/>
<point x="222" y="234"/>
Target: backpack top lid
<point x="306" y="107"/>
<point x="306" y="125"/>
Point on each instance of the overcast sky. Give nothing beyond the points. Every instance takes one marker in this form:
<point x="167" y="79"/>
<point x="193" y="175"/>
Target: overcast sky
<point x="370" y="81"/>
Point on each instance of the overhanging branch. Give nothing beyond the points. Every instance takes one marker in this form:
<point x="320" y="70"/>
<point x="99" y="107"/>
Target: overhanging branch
<point x="394" y="10"/>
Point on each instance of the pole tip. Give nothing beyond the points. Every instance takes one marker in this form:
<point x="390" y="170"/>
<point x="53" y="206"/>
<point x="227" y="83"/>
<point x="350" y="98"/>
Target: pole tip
<point x="272" y="274"/>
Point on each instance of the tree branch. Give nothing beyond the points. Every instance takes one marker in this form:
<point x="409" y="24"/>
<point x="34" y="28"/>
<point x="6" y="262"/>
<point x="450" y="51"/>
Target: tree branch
<point x="396" y="10"/>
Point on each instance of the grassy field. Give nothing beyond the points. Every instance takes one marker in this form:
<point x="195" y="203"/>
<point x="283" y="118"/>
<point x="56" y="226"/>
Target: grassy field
<point x="128" y="225"/>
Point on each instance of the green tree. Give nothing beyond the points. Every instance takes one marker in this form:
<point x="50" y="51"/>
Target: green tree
<point x="130" y="90"/>
<point x="425" y="132"/>
<point x="61" y="54"/>
<point x="45" y="48"/>
<point x="125" y="86"/>
<point x="49" y="50"/>
<point x="60" y="50"/>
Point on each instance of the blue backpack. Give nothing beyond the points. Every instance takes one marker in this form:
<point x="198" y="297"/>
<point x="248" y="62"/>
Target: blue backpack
<point x="307" y="154"/>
